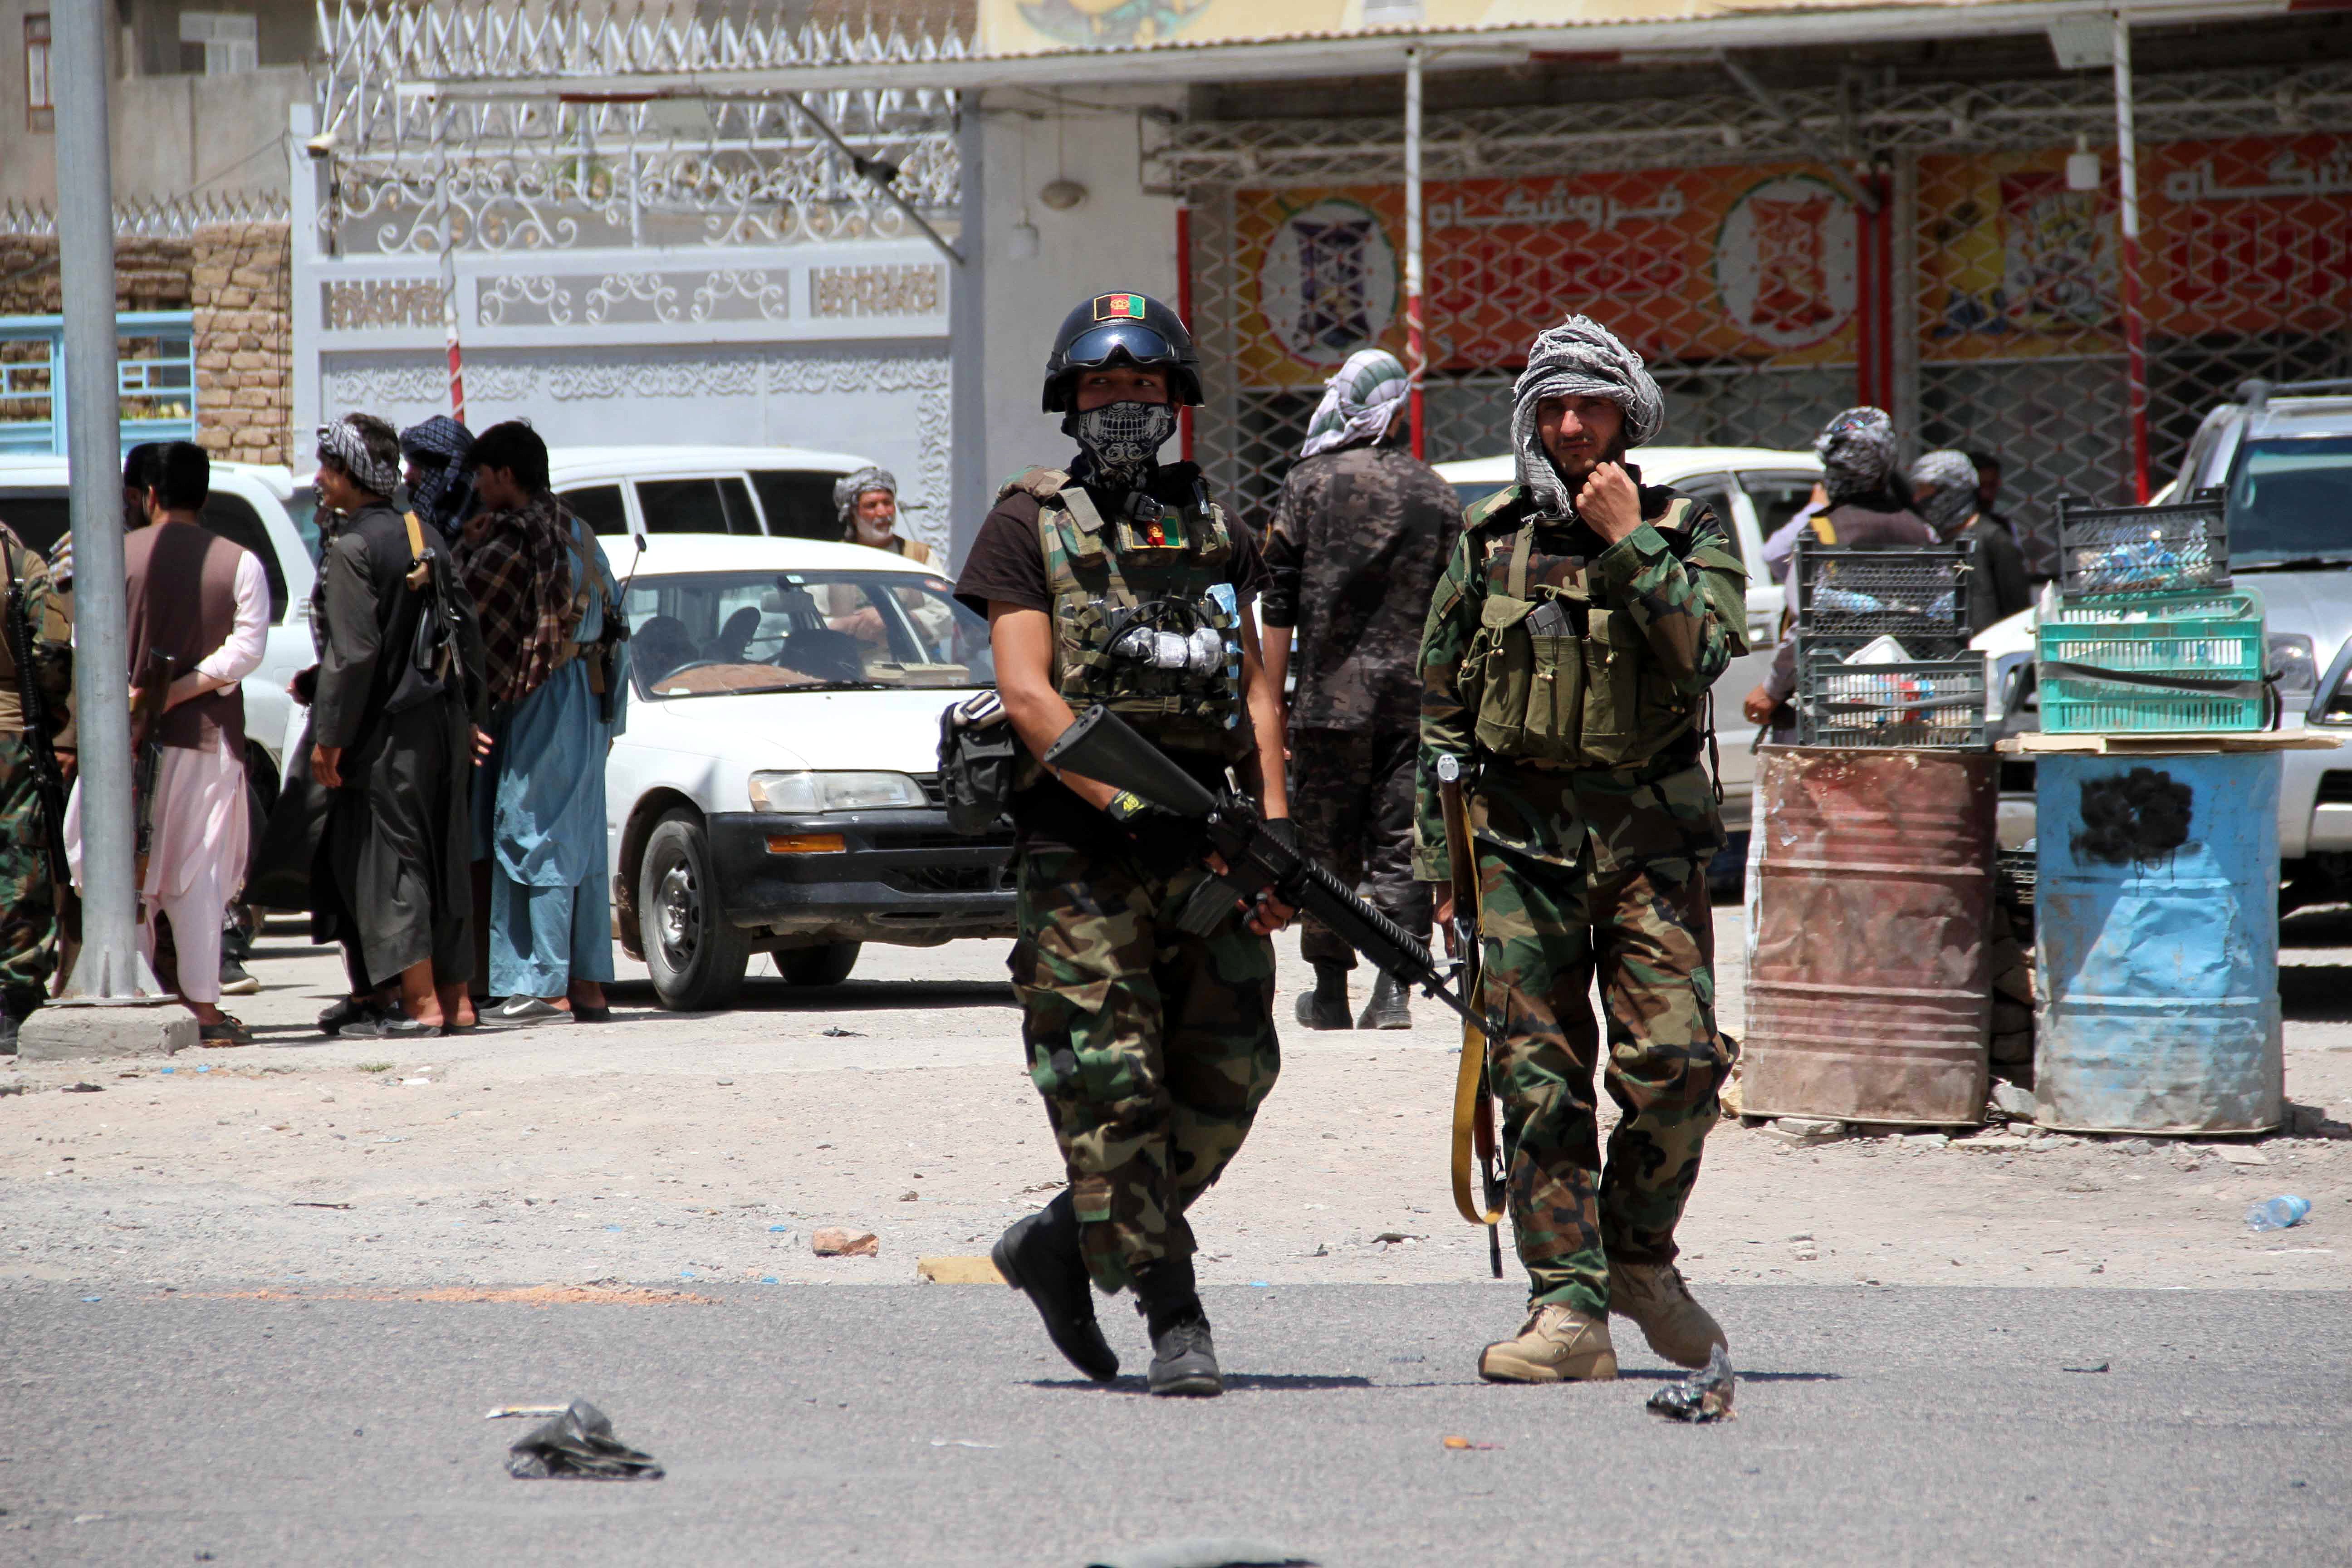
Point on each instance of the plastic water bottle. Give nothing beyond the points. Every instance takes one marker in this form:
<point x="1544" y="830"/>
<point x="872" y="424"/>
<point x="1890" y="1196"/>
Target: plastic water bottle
<point x="2278" y="1213"/>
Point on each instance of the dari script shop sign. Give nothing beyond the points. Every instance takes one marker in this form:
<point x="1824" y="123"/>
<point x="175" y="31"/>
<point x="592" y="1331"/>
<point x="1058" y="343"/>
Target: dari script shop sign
<point x="1747" y="262"/>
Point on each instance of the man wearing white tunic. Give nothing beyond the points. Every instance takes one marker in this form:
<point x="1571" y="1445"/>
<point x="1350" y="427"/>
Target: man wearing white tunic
<point x="206" y="601"/>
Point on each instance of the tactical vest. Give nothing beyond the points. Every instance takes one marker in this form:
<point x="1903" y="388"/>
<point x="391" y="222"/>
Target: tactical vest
<point x="1557" y="673"/>
<point x="1136" y="574"/>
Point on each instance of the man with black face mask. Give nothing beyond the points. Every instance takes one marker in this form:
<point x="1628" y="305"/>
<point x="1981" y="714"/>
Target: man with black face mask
<point x="1117" y="581"/>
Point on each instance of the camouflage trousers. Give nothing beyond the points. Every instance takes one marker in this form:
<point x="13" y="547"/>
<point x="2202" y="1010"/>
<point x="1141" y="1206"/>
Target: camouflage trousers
<point x="28" y="909"/>
<point x="1351" y="796"/>
<point x="1152" y="1048"/>
<point x="1649" y="931"/>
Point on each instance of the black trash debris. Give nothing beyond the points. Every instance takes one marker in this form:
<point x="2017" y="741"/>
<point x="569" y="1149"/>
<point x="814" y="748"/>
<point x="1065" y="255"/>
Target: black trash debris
<point x="578" y="1445"/>
<point x="1211" y="1552"/>
<point x="1703" y="1395"/>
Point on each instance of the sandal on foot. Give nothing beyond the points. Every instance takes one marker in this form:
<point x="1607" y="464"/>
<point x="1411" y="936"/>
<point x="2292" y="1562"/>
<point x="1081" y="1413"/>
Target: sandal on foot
<point x="227" y="1032"/>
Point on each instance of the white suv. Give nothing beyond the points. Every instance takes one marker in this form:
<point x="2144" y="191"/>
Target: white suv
<point x="2282" y="456"/>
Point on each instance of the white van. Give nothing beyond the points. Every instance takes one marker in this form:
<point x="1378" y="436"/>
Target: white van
<point x="268" y="512"/>
<point x="781" y="492"/>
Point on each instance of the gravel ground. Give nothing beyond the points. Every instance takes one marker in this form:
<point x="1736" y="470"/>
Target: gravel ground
<point x="662" y="1148"/>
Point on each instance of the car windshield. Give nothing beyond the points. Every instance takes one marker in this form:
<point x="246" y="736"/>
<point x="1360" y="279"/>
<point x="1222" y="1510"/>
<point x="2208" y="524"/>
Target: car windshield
<point x="2291" y="500"/>
<point x="704" y="633"/>
<point x="302" y="506"/>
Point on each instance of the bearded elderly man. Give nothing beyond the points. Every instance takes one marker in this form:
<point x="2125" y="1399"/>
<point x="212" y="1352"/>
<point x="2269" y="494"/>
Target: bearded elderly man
<point x="1566" y="662"/>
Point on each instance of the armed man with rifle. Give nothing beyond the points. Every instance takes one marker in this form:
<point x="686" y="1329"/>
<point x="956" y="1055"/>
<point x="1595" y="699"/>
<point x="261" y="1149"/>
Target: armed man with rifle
<point x="1147" y="1005"/>
<point x="1566" y="663"/>
<point x="36" y="743"/>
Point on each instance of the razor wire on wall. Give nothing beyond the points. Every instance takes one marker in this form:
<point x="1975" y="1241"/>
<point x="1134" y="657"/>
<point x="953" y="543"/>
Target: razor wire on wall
<point x="1979" y="302"/>
<point x="545" y="168"/>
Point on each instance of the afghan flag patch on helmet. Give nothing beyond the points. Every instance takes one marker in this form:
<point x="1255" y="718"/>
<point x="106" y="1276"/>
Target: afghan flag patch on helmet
<point x="1118" y="306"/>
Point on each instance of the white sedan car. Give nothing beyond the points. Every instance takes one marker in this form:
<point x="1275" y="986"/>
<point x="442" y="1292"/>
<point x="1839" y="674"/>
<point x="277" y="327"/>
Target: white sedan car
<point x="777" y="786"/>
<point x="1754" y="490"/>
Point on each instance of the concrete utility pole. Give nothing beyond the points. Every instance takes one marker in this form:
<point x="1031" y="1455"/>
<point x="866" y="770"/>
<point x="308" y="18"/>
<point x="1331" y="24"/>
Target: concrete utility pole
<point x="109" y="970"/>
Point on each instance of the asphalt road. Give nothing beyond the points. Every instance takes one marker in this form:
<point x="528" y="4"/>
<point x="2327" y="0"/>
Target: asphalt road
<point x="815" y="1424"/>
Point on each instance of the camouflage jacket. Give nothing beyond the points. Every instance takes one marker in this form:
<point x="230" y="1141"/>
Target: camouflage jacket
<point x="1357" y="542"/>
<point x="1677" y="583"/>
<point x="46" y="616"/>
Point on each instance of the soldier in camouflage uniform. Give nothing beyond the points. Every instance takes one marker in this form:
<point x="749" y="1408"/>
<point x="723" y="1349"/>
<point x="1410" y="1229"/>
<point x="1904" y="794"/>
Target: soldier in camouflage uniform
<point x="1359" y="534"/>
<point x="1117" y="582"/>
<point x="28" y="903"/>
<point x="1567" y="658"/>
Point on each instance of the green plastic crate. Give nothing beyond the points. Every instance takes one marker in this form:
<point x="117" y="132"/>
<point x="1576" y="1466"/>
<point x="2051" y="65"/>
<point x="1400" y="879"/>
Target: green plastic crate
<point x="2204" y="636"/>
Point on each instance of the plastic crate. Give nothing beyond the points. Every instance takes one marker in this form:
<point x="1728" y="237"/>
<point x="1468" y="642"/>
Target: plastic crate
<point x="1937" y="703"/>
<point x="2201" y="636"/>
<point x="1917" y="594"/>
<point x="2104" y="551"/>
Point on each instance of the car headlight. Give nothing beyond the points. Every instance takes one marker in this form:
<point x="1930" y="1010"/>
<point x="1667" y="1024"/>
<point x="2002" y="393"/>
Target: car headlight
<point x="2292" y="662"/>
<point x="802" y="793"/>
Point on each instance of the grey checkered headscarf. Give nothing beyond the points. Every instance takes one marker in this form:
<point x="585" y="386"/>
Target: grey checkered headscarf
<point x="1578" y="358"/>
<point x="342" y="441"/>
<point x="1857" y="454"/>
<point x="850" y="487"/>
<point x="1943" y="490"/>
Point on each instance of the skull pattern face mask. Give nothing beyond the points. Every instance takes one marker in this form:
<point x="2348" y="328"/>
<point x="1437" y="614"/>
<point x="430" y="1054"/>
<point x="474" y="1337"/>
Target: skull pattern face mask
<point x="1124" y="439"/>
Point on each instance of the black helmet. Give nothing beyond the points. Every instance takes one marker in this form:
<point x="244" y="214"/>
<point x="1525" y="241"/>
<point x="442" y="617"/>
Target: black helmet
<point x="1110" y="327"/>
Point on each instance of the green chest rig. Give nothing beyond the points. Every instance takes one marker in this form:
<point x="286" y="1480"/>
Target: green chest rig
<point x="1144" y="621"/>
<point x="1559" y="672"/>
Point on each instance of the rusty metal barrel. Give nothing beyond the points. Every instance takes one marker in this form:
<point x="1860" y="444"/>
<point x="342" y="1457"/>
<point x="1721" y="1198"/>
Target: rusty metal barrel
<point x="1869" y="995"/>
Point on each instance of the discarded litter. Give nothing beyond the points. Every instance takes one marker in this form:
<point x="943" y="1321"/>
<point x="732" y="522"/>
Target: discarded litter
<point x="83" y="1089"/>
<point x="578" y="1445"/>
<point x="773" y="1230"/>
<point x="960" y="1443"/>
<point x="836" y="1032"/>
<point x="1458" y="1442"/>
<point x="2281" y="1213"/>
<point x="93" y="1298"/>
<point x="834" y="1241"/>
<point x="2103" y="1366"/>
<point x="767" y="1279"/>
<point x="1704" y="1395"/>
<point x="305" y="1204"/>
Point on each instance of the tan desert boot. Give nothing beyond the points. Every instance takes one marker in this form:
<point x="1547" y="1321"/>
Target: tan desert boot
<point x="1653" y="1296"/>
<point x="1557" y="1344"/>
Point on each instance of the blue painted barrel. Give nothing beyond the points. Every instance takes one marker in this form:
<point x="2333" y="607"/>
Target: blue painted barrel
<point x="2156" y="955"/>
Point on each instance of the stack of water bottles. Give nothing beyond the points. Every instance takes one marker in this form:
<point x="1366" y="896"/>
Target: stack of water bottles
<point x="1882" y="656"/>
<point x="2145" y="632"/>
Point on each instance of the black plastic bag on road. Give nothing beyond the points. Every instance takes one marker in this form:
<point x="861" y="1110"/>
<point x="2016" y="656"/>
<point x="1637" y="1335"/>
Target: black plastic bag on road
<point x="1704" y="1395"/>
<point x="579" y="1445"/>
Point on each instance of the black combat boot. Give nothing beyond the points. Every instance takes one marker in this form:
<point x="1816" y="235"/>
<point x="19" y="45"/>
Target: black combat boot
<point x="1387" y="1009"/>
<point x="1039" y="1257"/>
<point x="1183" y="1362"/>
<point x="1325" y="1007"/>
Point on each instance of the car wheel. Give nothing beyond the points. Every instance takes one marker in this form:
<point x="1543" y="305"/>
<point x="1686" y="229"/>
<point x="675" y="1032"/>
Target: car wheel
<point x="828" y="965"/>
<point x="697" y="958"/>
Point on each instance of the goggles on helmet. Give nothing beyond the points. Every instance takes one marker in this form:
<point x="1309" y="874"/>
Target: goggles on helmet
<point x="1112" y="340"/>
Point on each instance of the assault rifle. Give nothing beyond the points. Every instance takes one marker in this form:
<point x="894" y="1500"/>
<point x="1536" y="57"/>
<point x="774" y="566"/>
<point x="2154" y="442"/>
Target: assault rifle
<point x="1101" y="745"/>
<point x="48" y="779"/>
<point x="1473" y="1143"/>
<point x="150" y="697"/>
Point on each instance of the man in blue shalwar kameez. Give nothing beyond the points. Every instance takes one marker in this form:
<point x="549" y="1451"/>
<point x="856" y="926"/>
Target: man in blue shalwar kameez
<point x="547" y="598"/>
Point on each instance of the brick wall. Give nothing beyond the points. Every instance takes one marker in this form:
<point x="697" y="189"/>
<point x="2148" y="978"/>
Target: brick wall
<point x="149" y="275"/>
<point x="239" y="279"/>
